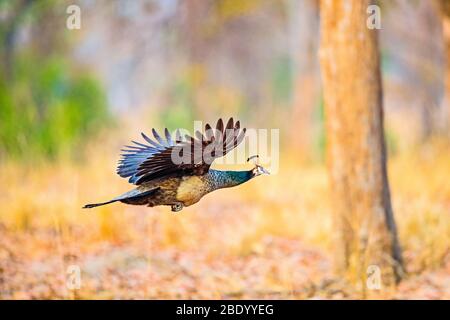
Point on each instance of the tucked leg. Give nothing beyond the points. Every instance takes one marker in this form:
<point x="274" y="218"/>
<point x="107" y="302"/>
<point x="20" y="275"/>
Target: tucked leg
<point x="177" y="207"/>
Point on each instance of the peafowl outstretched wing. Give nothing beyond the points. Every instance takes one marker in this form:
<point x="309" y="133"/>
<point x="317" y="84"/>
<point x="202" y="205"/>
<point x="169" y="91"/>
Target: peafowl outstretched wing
<point x="167" y="157"/>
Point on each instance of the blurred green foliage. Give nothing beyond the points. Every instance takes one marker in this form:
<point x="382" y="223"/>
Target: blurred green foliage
<point x="182" y="103"/>
<point x="392" y="141"/>
<point x="48" y="107"/>
<point x="282" y="80"/>
<point x="320" y="139"/>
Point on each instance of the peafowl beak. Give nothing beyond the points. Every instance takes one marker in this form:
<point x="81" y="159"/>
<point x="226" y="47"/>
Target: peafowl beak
<point x="258" y="170"/>
<point x="263" y="170"/>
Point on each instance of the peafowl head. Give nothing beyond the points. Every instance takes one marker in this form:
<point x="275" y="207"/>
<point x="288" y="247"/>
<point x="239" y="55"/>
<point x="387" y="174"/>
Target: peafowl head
<point x="258" y="169"/>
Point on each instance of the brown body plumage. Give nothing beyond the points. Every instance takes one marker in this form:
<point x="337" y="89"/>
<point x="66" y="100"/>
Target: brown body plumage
<point x="187" y="190"/>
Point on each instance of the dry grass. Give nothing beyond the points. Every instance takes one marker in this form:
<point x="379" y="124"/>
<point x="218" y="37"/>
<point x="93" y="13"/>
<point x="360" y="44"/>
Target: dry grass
<point x="269" y="238"/>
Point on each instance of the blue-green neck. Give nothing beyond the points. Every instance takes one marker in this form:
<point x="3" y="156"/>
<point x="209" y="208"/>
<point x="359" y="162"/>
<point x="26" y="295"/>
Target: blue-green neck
<point x="226" y="179"/>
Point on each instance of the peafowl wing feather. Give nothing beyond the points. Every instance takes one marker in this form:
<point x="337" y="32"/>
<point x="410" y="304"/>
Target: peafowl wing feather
<point x="142" y="162"/>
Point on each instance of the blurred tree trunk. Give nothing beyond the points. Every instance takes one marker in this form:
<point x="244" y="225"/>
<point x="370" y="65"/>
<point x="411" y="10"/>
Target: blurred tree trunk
<point x="356" y="153"/>
<point x="445" y="12"/>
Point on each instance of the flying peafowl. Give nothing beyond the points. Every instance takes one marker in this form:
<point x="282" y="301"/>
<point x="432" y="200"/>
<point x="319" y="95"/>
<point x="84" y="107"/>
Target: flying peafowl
<point x="177" y="172"/>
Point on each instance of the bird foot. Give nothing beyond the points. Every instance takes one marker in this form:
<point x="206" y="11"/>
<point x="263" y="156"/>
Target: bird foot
<point x="177" y="207"/>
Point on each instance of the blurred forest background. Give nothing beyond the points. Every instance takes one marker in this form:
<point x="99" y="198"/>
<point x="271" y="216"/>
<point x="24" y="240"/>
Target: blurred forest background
<point x="69" y="99"/>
